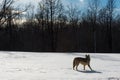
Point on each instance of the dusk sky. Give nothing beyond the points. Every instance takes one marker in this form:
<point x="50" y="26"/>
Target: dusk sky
<point x="79" y="3"/>
<point x="82" y="4"/>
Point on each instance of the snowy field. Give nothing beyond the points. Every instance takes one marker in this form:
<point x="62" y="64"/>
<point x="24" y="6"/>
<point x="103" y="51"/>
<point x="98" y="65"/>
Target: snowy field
<point x="57" y="66"/>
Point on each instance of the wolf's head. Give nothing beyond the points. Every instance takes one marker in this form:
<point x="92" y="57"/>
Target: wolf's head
<point x="87" y="57"/>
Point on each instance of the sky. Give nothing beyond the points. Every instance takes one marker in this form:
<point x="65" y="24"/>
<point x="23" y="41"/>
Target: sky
<point x="65" y="2"/>
<point x="79" y="3"/>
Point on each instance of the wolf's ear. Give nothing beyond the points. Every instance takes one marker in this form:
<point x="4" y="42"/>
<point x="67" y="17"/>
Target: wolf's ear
<point x="87" y="54"/>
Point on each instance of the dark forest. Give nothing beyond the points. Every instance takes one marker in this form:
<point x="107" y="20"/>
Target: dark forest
<point x="56" y="28"/>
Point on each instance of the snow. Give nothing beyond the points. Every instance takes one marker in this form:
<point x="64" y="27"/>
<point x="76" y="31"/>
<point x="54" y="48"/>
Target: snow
<point x="57" y="66"/>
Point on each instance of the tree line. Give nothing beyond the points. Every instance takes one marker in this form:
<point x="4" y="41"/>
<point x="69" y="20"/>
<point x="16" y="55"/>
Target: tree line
<point x="58" y="28"/>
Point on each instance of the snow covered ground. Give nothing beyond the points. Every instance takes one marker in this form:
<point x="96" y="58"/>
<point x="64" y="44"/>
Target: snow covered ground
<point x="57" y="66"/>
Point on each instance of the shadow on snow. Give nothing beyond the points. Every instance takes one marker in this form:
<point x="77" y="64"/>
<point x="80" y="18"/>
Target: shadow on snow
<point x="87" y="71"/>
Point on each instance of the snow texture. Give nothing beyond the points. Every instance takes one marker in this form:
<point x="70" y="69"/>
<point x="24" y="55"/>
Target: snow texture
<point x="57" y="66"/>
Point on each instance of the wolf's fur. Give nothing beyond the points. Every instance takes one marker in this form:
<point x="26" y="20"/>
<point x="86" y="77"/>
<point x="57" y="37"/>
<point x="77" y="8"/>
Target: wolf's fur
<point x="84" y="61"/>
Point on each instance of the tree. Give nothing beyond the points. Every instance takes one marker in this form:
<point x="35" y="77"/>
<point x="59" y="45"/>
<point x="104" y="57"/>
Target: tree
<point x="73" y="14"/>
<point x="92" y="16"/>
<point x="8" y="14"/>
<point x="5" y="11"/>
<point x="110" y="9"/>
<point x="49" y="12"/>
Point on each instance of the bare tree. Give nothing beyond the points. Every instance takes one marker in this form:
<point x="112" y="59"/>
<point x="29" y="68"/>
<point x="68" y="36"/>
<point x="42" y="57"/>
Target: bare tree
<point x="47" y="17"/>
<point x="110" y="9"/>
<point x="74" y="17"/>
<point x="5" y="11"/>
<point x="8" y="14"/>
<point x="92" y="16"/>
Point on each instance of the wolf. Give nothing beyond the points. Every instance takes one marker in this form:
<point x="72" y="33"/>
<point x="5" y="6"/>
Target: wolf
<point x="84" y="61"/>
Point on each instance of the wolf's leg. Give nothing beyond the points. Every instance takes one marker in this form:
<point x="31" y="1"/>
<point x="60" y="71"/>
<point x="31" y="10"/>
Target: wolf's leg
<point x="73" y="67"/>
<point x="84" y="67"/>
<point x="89" y="67"/>
<point x="77" y="67"/>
